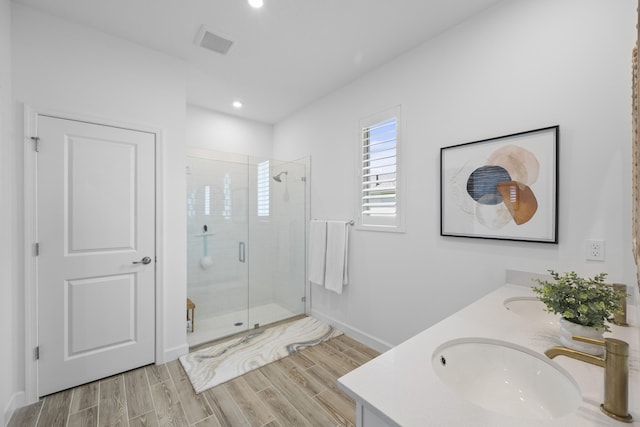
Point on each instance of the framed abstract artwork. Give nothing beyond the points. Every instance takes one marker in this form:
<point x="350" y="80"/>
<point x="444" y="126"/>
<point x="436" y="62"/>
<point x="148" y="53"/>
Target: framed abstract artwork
<point x="502" y="188"/>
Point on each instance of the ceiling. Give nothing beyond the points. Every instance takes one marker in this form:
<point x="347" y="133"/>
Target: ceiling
<point x="284" y="56"/>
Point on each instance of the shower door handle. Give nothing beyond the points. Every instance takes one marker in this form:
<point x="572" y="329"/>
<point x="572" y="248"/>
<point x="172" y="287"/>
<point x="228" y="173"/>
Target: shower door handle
<point x="241" y="255"/>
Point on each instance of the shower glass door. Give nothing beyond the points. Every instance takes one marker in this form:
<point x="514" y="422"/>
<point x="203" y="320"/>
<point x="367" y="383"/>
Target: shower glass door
<point x="246" y="242"/>
<point x="277" y="225"/>
<point x="217" y="246"/>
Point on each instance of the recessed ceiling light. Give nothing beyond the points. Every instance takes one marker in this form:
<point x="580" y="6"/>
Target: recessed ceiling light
<point x="256" y="3"/>
<point x="237" y="104"/>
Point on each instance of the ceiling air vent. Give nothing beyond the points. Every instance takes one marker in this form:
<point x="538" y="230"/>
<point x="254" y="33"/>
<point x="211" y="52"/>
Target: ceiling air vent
<point x="208" y="40"/>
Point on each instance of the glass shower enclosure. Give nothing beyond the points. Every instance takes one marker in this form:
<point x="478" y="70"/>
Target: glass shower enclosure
<point x="246" y="242"/>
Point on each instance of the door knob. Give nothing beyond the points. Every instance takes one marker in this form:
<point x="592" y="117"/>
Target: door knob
<point x="145" y="260"/>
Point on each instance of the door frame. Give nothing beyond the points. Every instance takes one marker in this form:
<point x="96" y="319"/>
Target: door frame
<point x="30" y="129"/>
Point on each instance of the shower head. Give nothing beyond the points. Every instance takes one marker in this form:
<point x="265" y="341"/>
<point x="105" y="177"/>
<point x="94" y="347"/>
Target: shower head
<point x="278" y="178"/>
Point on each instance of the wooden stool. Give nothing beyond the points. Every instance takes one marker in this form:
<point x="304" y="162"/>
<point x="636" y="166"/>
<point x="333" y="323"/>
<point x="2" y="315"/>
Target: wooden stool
<point x="191" y="307"/>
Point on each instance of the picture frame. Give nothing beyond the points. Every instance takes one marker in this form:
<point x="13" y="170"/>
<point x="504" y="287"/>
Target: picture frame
<point x="503" y="188"/>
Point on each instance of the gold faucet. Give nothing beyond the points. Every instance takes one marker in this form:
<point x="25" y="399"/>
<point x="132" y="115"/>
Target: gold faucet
<point x="621" y="319"/>
<point x="616" y="373"/>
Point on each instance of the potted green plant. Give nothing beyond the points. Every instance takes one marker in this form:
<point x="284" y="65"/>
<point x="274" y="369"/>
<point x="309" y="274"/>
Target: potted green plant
<point x="585" y="305"/>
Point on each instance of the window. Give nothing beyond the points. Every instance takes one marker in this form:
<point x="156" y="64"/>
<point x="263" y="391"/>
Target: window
<point x="263" y="188"/>
<point x="379" y="193"/>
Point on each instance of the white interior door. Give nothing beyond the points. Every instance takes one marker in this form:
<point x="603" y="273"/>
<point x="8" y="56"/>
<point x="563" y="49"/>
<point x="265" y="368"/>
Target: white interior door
<point x="96" y="223"/>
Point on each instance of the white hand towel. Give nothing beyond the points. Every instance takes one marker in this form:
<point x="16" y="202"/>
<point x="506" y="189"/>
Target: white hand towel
<point x="317" y="251"/>
<point x="337" y="256"/>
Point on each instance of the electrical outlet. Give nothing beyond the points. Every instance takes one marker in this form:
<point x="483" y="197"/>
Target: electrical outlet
<point x="594" y="250"/>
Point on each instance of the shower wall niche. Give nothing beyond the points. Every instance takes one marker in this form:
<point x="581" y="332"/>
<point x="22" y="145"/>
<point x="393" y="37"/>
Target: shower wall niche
<point x="246" y="243"/>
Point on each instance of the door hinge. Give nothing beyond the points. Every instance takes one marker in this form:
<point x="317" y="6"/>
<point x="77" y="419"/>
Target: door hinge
<point x="36" y="353"/>
<point x="36" y="249"/>
<point x="303" y="299"/>
<point x="36" y="143"/>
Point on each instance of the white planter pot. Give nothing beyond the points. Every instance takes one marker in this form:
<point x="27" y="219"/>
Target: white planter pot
<point x="569" y="329"/>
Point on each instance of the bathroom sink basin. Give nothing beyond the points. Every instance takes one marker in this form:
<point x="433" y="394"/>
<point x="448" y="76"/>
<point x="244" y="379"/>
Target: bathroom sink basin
<point x="506" y="378"/>
<point x="531" y="308"/>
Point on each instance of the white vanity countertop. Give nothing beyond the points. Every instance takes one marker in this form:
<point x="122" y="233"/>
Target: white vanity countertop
<point x="401" y="385"/>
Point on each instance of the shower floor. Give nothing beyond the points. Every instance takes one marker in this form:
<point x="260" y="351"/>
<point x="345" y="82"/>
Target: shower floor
<point x="210" y="326"/>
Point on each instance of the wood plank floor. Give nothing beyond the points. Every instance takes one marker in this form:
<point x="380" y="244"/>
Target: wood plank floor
<point x="299" y="390"/>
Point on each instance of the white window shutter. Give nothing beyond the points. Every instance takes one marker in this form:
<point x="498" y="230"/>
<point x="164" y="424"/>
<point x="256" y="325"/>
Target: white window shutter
<point x="379" y="202"/>
<point x="264" y="182"/>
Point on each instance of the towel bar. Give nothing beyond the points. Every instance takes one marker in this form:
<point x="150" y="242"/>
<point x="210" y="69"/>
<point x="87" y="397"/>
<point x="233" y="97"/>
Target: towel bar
<point x="351" y="222"/>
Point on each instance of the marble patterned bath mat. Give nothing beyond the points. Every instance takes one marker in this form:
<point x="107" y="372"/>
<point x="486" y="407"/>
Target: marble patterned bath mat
<point x="222" y="362"/>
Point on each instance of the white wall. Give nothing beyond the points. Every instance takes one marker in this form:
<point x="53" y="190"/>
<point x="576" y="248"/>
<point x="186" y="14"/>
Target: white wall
<point x="220" y="132"/>
<point x="9" y="259"/>
<point x="70" y="68"/>
<point x="521" y="65"/>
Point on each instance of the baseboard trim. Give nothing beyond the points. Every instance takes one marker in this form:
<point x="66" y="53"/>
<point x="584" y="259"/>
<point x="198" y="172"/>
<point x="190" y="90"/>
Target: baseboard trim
<point x="173" y="353"/>
<point x="17" y="401"/>
<point x="357" y="334"/>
